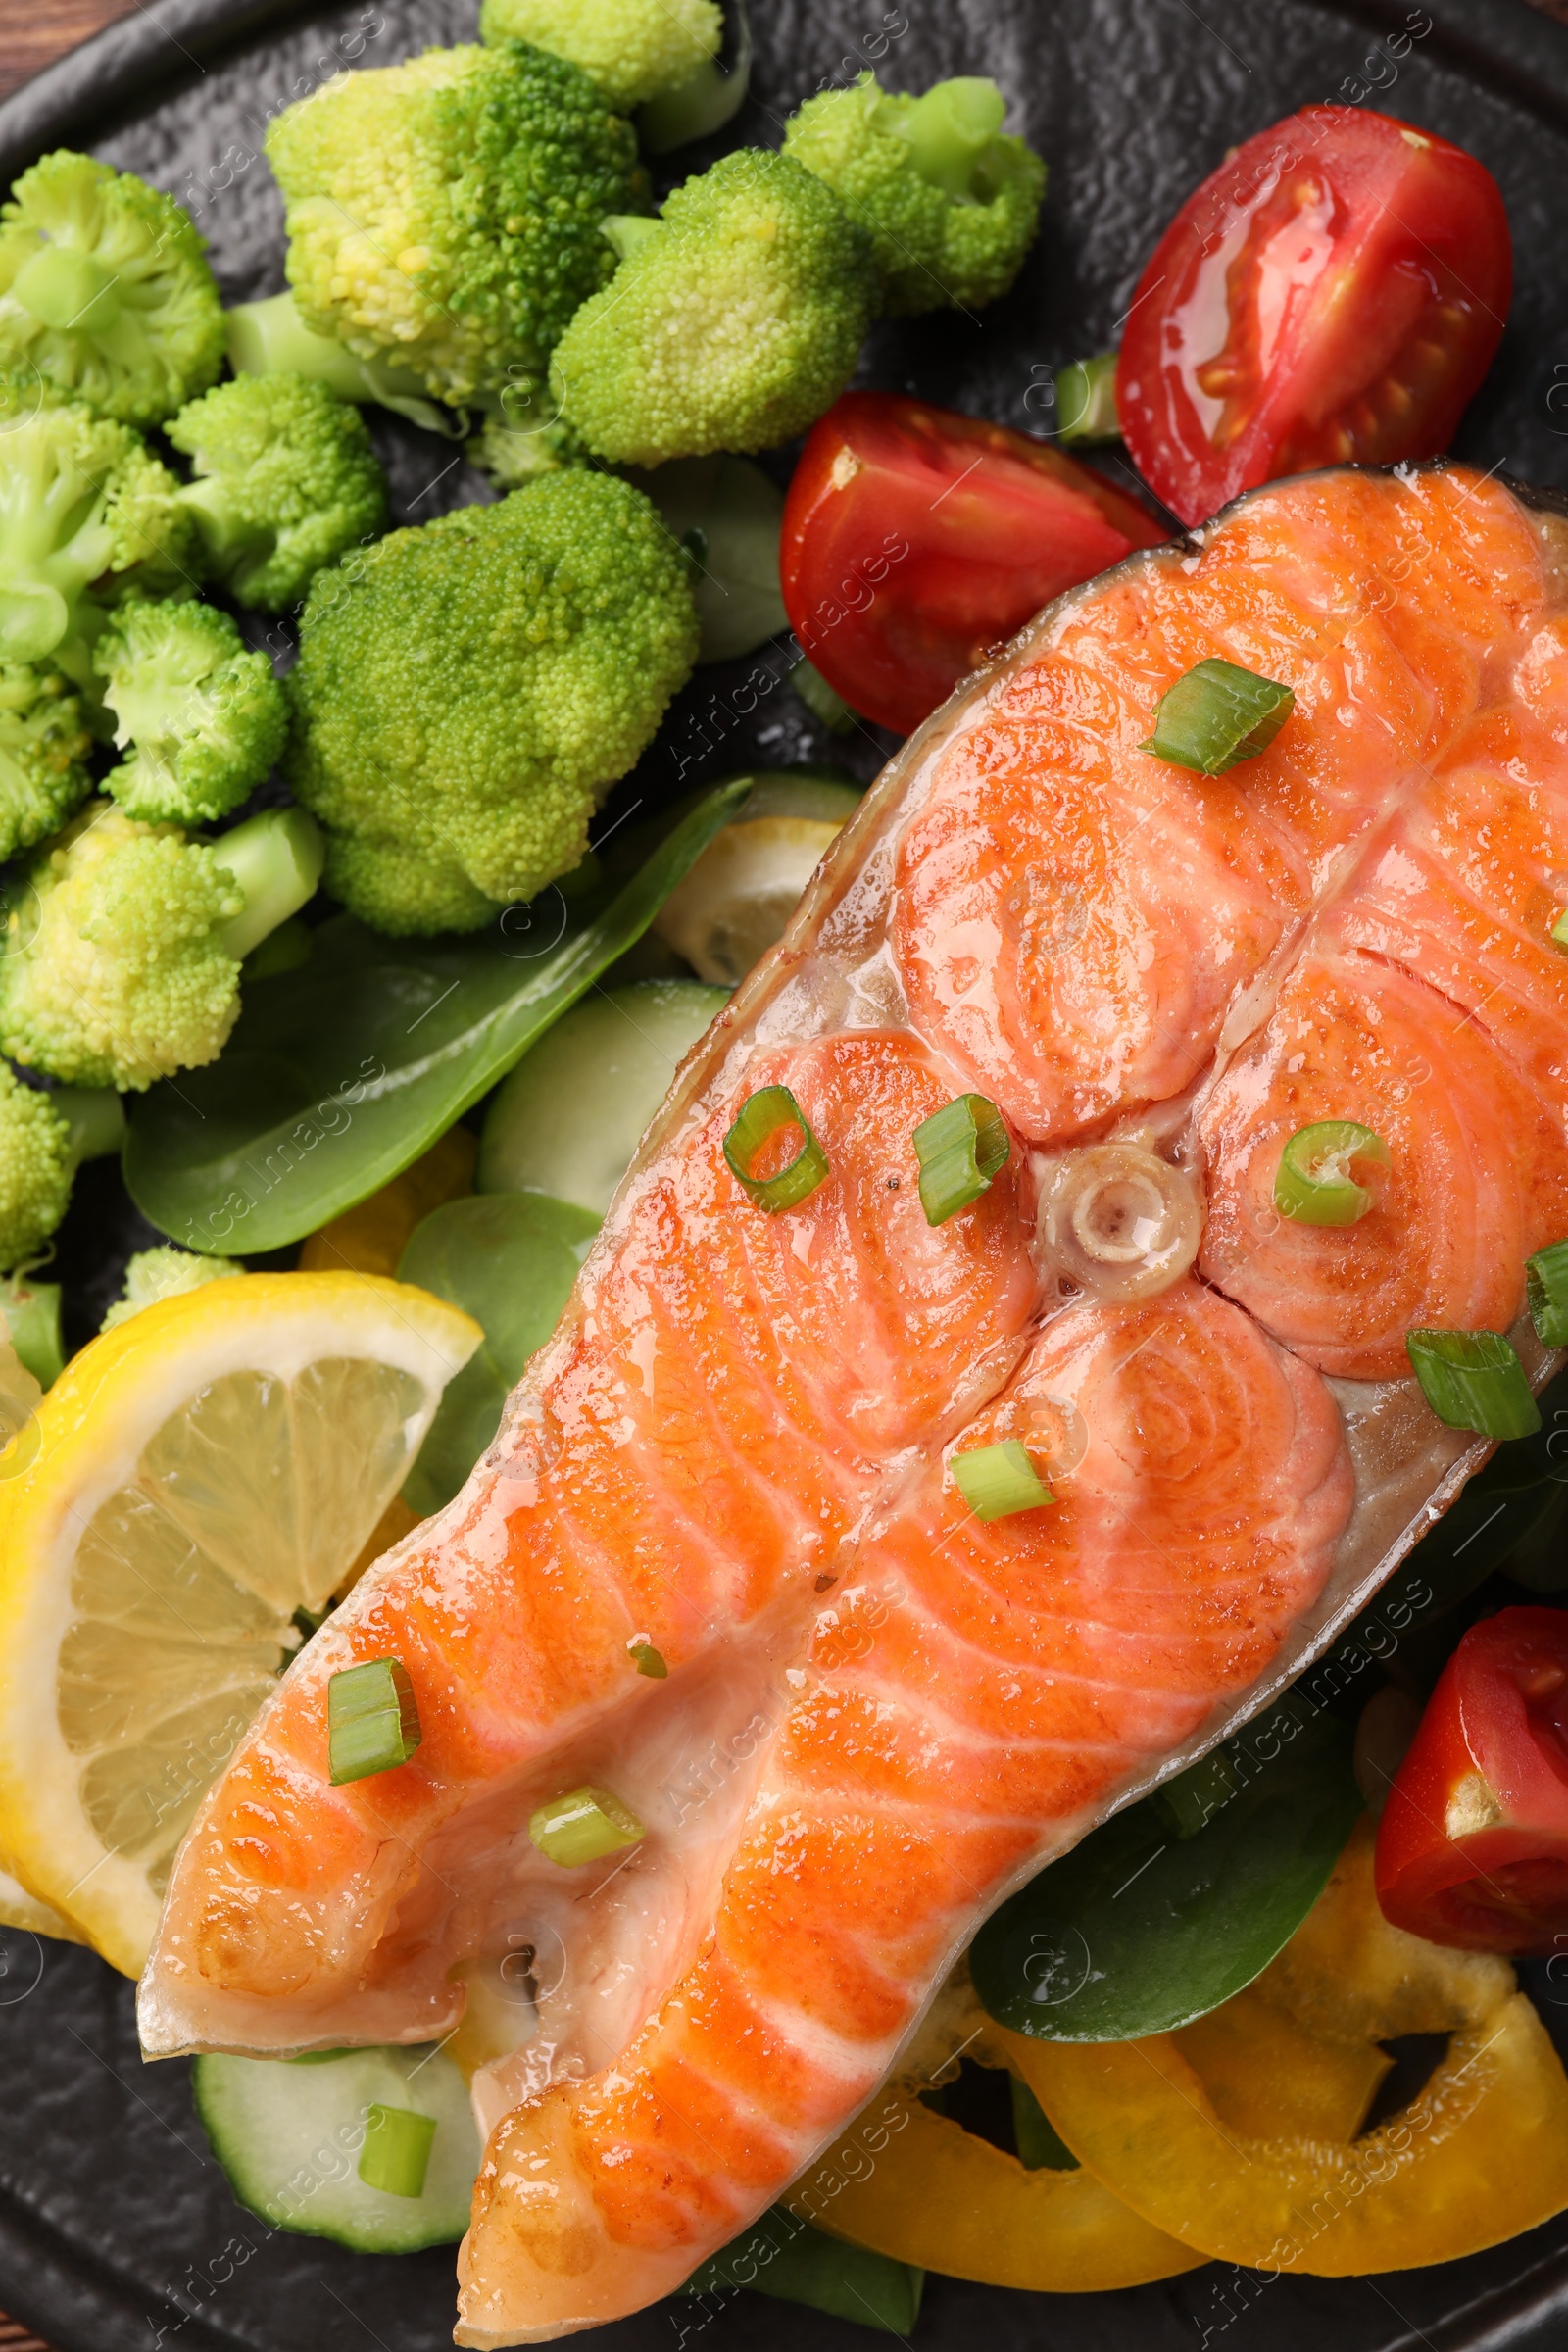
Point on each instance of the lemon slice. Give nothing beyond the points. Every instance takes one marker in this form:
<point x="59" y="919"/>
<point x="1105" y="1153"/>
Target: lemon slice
<point x="196" y="1476"/>
<point x="20" y="1909"/>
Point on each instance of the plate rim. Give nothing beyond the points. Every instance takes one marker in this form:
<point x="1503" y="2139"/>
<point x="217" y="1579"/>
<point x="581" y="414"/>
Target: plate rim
<point x="1507" y="44"/>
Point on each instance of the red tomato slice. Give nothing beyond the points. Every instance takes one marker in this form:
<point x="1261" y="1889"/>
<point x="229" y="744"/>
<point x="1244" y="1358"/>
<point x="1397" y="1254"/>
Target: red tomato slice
<point x="1473" y="1843"/>
<point x="1332" y="295"/>
<point x="916" y="541"/>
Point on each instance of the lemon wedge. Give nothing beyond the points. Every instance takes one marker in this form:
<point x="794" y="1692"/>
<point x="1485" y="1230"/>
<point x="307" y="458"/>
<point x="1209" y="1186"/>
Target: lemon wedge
<point x="196" y="1476"/>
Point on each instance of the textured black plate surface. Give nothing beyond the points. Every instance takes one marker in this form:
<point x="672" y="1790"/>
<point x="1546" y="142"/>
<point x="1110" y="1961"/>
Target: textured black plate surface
<point x="117" y="2230"/>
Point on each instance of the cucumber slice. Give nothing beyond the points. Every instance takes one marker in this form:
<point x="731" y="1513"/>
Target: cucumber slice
<point x="288" y="2134"/>
<point x="741" y="893"/>
<point x="730" y="515"/>
<point x="569" y="1119"/>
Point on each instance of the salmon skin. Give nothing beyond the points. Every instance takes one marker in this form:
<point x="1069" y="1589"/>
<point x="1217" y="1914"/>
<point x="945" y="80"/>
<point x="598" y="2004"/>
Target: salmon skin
<point x="882" y="1713"/>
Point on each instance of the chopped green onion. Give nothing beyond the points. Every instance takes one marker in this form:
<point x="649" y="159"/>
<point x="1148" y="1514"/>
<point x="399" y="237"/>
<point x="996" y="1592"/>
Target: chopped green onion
<point x="1217" y="715"/>
<point x="1560" y="929"/>
<point x="959" y="1148"/>
<point x="1086" y="400"/>
<point x="396" y="2155"/>
<point x="762" y="1117"/>
<point x="995" y="1481"/>
<point x="1546" y="1287"/>
<point x="1313" y="1183"/>
<point x="373" y="1720"/>
<point x="646" y="1658"/>
<point x="1474" y="1380"/>
<point x="1192" y="1799"/>
<point x="583" y="1826"/>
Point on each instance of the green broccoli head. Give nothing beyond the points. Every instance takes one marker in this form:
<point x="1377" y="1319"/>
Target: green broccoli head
<point x="154" y="1274"/>
<point x="952" y="204"/>
<point x="205" y="715"/>
<point x="105" y="290"/>
<point x="36" y="1166"/>
<point x="733" y="321"/>
<point x="465" y="691"/>
<point x="444" y="214"/>
<point x="83" y="506"/>
<point x="286" y="480"/>
<point x="123" y="942"/>
<point x="43" y="755"/>
<point x="630" y="49"/>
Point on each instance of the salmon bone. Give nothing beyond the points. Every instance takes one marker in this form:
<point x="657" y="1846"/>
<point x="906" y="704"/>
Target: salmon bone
<point x="1117" y="1220"/>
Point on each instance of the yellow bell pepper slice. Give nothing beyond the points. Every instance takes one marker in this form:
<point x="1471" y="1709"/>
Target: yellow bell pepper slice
<point x="1237" y="2134"/>
<point x="370" y="1237"/>
<point x="915" y="2185"/>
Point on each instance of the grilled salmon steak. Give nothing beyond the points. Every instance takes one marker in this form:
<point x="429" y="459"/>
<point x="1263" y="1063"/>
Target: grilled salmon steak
<point x="743" y="1448"/>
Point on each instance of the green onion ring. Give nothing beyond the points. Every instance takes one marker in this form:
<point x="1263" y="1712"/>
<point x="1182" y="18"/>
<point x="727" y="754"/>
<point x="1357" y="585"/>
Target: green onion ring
<point x="372" y="1721"/>
<point x="960" y="1148"/>
<point x="1547" y="1289"/>
<point x="998" y="1480"/>
<point x="761" y="1117"/>
<point x="1474" y="1380"/>
<point x="396" y="2154"/>
<point x="1313" y="1183"/>
<point x="1217" y="715"/>
<point x="583" y="1826"/>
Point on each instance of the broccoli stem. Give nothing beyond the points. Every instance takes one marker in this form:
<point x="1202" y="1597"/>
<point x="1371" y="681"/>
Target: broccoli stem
<point x="276" y="859"/>
<point x="951" y="127"/>
<point x="628" y="230"/>
<point x="706" y="101"/>
<point x="223" y="535"/>
<point x="95" y="1121"/>
<point x="67" y="288"/>
<point x="270" y="338"/>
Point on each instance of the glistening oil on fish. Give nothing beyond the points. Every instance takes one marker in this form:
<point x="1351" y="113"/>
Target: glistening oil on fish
<point x="739" y="1448"/>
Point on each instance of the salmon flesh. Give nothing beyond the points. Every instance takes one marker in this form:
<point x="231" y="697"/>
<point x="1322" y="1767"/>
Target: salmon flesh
<point x="882" y="1713"/>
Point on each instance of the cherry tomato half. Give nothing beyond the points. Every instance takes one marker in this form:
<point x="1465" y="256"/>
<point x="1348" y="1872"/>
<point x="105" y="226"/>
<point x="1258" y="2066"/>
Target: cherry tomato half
<point x="1332" y="295"/>
<point x="1473" y="1845"/>
<point x="916" y="541"/>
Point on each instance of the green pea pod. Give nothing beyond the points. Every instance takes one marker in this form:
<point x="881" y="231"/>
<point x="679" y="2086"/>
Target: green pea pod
<point x="342" y="1072"/>
<point x="1174" y="1905"/>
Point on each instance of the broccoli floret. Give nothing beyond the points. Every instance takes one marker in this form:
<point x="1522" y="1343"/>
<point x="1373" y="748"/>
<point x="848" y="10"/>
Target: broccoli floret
<point x="286" y="480"/>
<point x="105" y="290"/>
<point x="43" y="1141"/>
<point x="35" y="1170"/>
<point x="154" y="1274"/>
<point x="205" y="714"/>
<point x="630" y="49"/>
<point x="465" y="691"/>
<point x="444" y="214"/>
<point x="43" y="755"/>
<point x="733" y="321"/>
<point x="82" y="505"/>
<point x="123" y="941"/>
<point x="520" y="436"/>
<point x="952" y="204"/>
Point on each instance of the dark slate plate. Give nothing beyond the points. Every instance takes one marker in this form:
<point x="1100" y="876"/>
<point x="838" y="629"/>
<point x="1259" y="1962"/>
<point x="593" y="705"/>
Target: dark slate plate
<point x="117" y="2230"/>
